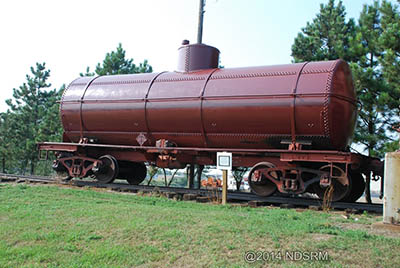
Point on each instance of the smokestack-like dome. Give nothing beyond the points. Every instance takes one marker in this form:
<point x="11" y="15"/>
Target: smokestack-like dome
<point x="193" y="57"/>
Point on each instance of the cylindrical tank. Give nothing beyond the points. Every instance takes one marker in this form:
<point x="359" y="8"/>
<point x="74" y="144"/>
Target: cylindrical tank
<point x="254" y="107"/>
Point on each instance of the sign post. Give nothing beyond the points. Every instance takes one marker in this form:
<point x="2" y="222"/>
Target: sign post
<point x="224" y="186"/>
<point x="224" y="163"/>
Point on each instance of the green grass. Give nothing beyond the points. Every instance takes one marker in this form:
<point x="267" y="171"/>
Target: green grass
<point x="47" y="226"/>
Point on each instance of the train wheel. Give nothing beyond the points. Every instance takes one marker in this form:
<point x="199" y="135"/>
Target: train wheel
<point x="108" y="170"/>
<point x="138" y="174"/>
<point x="134" y="173"/>
<point x="258" y="182"/>
<point x="340" y="182"/>
<point x="357" y="187"/>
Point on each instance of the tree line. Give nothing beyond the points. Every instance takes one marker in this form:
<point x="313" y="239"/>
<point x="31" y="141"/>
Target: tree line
<point x="371" y="45"/>
<point x="33" y="113"/>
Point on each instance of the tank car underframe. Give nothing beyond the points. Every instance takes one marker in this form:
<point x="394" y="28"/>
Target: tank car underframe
<point x="288" y="171"/>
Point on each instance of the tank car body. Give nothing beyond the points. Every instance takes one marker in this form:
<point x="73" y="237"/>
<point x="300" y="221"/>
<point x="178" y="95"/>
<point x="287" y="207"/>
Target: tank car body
<point x="255" y="107"/>
<point x="290" y="123"/>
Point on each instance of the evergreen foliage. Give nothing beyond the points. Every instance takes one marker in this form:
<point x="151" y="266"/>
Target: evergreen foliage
<point x="372" y="49"/>
<point x="368" y="81"/>
<point x="30" y="119"/>
<point x="327" y="37"/>
<point x="116" y="63"/>
<point x="33" y="114"/>
<point x="390" y="61"/>
<point x="371" y="45"/>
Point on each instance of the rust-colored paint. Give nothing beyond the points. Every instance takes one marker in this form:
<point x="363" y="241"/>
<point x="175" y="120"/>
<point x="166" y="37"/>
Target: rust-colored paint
<point x="192" y="57"/>
<point x="254" y="107"/>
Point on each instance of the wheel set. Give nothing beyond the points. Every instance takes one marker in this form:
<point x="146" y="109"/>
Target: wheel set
<point x="110" y="169"/>
<point x="328" y="182"/>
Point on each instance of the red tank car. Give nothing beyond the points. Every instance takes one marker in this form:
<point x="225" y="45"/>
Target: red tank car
<point x="257" y="107"/>
<point x="291" y="123"/>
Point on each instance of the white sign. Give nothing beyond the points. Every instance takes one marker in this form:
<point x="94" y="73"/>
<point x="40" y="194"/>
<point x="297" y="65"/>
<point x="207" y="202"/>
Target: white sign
<point x="224" y="161"/>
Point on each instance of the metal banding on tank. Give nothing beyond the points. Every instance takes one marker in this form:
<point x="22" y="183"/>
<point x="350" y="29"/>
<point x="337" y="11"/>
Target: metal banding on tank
<point x="241" y="107"/>
<point x="291" y="124"/>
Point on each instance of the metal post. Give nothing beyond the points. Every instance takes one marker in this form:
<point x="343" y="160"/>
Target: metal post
<point x="391" y="200"/>
<point x="199" y="172"/>
<point x="368" y="188"/>
<point x="224" y="186"/>
<point x="200" y="26"/>
<point x="191" y="176"/>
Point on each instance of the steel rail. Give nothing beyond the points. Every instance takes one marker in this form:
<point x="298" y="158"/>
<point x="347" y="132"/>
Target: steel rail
<point x="242" y="196"/>
<point x="13" y="177"/>
<point x="232" y="195"/>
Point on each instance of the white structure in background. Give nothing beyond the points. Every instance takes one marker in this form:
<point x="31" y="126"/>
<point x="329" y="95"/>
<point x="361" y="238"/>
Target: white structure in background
<point x="391" y="200"/>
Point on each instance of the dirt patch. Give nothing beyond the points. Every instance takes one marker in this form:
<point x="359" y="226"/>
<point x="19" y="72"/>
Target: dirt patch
<point x="321" y="237"/>
<point x="370" y="229"/>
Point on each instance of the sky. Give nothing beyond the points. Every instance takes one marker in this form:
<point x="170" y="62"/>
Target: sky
<point x="71" y="35"/>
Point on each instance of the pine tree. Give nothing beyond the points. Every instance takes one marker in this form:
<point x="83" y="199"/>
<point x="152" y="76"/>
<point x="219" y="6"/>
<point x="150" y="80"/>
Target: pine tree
<point x="390" y="60"/>
<point x="368" y="79"/>
<point x="116" y="63"/>
<point x="7" y="142"/>
<point x="32" y="104"/>
<point x="50" y="128"/>
<point x="327" y="37"/>
<point x="88" y="72"/>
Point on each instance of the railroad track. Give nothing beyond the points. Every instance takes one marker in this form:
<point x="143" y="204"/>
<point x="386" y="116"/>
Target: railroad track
<point x="30" y="178"/>
<point x="232" y="195"/>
